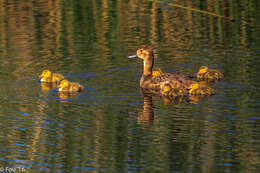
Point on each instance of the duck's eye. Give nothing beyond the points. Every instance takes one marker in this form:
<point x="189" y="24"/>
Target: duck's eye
<point x="141" y="50"/>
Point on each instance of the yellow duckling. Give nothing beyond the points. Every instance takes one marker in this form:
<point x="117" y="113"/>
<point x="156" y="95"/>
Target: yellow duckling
<point x="209" y="74"/>
<point x="170" y="90"/>
<point x="157" y="72"/>
<point x="67" y="86"/>
<point x="48" y="76"/>
<point x="196" y="89"/>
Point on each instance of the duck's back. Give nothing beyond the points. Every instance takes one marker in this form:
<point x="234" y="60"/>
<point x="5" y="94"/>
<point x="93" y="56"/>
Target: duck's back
<point x="182" y="80"/>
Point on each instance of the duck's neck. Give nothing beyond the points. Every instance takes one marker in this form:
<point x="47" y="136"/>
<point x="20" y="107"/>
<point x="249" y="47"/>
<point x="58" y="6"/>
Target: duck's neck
<point x="148" y="66"/>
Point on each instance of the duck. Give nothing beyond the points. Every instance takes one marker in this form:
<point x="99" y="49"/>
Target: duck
<point x="47" y="76"/>
<point x="200" y="89"/>
<point x="154" y="83"/>
<point x="66" y="86"/>
<point x="210" y="75"/>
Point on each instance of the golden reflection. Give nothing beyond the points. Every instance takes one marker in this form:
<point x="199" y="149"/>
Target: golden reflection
<point x="195" y="99"/>
<point x="146" y="116"/>
<point x="67" y="95"/>
<point x="48" y="86"/>
<point x="173" y="100"/>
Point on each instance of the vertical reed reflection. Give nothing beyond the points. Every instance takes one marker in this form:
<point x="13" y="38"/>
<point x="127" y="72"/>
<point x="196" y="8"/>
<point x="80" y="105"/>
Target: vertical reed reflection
<point x="88" y="39"/>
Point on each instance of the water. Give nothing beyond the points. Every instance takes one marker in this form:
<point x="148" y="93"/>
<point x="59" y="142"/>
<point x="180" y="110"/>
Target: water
<point x="111" y="126"/>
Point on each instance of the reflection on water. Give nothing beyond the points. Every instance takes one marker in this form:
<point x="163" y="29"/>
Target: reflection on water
<point x="146" y="116"/>
<point x="111" y="126"/>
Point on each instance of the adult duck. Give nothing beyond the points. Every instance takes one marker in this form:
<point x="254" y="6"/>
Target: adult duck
<point x="154" y="83"/>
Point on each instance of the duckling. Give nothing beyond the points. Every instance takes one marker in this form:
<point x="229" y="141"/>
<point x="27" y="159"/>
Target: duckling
<point x="173" y="89"/>
<point x="48" y="76"/>
<point x="67" y="86"/>
<point x="157" y="72"/>
<point x="209" y="74"/>
<point x="150" y="82"/>
<point x="196" y="89"/>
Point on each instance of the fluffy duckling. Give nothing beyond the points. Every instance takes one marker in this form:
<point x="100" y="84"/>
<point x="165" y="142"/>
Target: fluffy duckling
<point x="48" y="76"/>
<point x="197" y="89"/>
<point x="173" y="89"/>
<point x="157" y="72"/>
<point x="67" y="86"/>
<point x="209" y="74"/>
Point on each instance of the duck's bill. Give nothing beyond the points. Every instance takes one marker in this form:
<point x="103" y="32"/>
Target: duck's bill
<point x="132" y="56"/>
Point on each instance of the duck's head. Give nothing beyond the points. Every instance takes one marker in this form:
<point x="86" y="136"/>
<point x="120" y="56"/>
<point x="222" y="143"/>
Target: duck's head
<point x="63" y="84"/>
<point x="203" y="69"/>
<point x="45" y="74"/>
<point x="143" y="52"/>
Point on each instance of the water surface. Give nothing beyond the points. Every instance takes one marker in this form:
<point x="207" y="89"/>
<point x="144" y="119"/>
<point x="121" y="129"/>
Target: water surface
<point x="112" y="126"/>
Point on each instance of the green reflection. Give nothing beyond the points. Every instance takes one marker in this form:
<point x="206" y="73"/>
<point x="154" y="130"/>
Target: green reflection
<point x="111" y="126"/>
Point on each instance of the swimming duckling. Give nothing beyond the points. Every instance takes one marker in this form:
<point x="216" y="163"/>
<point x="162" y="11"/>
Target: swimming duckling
<point x="48" y="76"/>
<point x="157" y="72"/>
<point x="209" y="74"/>
<point x="197" y="89"/>
<point x="67" y="86"/>
<point x="150" y="82"/>
<point x="173" y="89"/>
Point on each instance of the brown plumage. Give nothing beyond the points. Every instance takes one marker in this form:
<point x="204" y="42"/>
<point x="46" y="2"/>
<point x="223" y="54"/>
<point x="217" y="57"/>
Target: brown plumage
<point x="148" y="81"/>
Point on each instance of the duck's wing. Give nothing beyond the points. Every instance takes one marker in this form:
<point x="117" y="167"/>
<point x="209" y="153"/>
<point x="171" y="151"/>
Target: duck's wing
<point x="184" y="80"/>
<point x="154" y="83"/>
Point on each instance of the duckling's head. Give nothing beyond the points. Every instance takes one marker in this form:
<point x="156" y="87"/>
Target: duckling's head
<point x="194" y="86"/>
<point x="157" y="72"/>
<point x="63" y="84"/>
<point x="144" y="52"/>
<point x="45" y="74"/>
<point x="203" y="69"/>
<point x="166" y="88"/>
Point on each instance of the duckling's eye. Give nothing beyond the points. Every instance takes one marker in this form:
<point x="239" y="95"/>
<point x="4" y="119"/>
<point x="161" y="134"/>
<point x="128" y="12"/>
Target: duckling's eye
<point x="141" y="50"/>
